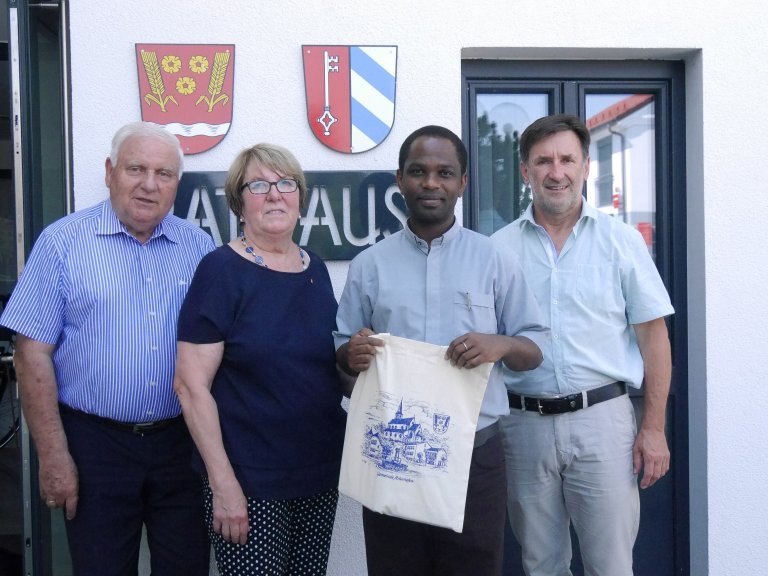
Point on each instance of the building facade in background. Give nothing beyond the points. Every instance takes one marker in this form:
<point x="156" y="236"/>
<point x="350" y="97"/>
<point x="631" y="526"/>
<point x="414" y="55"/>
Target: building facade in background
<point x="670" y="98"/>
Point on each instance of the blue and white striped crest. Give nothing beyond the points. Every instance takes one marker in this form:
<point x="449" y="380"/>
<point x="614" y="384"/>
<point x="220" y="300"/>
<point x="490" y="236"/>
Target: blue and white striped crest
<point x="350" y="94"/>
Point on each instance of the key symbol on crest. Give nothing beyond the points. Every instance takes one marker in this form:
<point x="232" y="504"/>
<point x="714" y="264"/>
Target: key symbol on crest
<point x="327" y="119"/>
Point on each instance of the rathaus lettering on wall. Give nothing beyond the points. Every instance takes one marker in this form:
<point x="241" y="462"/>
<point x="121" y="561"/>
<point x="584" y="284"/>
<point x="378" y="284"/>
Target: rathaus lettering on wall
<point x="345" y="212"/>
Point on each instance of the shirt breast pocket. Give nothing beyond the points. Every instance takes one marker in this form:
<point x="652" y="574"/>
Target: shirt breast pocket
<point x="599" y="288"/>
<point x="475" y="312"/>
<point x="173" y="289"/>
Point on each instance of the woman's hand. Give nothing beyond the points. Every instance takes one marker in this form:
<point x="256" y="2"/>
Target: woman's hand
<point x="230" y="512"/>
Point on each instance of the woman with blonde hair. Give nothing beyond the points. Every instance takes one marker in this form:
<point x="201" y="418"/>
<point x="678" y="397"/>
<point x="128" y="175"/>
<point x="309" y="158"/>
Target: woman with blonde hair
<point x="257" y="380"/>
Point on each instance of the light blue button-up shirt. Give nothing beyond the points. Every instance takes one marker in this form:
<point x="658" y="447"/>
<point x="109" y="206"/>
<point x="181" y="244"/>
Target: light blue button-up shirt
<point x="462" y="283"/>
<point x="601" y="283"/>
<point x="110" y="305"/>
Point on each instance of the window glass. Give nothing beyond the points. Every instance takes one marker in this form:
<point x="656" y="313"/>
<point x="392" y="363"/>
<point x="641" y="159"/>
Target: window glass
<point x="622" y="175"/>
<point x="501" y="118"/>
<point x="622" y="179"/>
<point x="8" y="265"/>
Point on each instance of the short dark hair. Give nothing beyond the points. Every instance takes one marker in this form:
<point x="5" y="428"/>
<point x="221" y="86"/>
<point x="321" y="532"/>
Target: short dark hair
<point x="548" y="125"/>
<point x="434" y="132"/>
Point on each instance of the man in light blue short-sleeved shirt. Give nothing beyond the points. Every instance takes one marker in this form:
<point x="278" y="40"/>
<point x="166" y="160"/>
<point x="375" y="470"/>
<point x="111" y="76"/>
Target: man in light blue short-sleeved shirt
<point x="95" y="313"/>
<point x="439" y="283"/>
<point x="573" y="454"/>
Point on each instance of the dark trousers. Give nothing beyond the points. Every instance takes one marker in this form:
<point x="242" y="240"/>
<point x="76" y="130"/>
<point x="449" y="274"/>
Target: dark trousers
<point x="407" y="548"/>
<point x="128" y="480"/>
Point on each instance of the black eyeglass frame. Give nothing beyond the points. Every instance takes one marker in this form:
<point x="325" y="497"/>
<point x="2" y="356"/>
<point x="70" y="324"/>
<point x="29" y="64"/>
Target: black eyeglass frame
<point x="275" y="184"/>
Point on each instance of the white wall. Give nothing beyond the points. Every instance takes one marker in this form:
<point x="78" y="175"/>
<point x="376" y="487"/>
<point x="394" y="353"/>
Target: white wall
<point x="725" y="50"/>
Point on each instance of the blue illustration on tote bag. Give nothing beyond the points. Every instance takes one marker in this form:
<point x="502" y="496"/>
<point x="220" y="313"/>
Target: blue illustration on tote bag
<point x="414" y="441"/>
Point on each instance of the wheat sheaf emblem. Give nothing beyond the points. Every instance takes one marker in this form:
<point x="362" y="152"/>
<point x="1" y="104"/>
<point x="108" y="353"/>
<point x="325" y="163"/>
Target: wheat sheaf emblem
<point x="155" y="79"/>
<point x="218" y="73"/>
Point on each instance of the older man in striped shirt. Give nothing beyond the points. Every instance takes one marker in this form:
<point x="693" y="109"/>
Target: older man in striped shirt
<point x="95" y="311"/>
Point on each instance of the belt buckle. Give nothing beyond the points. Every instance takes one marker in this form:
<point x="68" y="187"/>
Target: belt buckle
<point x="557" y="405"/>
<point x="141" y="427"/>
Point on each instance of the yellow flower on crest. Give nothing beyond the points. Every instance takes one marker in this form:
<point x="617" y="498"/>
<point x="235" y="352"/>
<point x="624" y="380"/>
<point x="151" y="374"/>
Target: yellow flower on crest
<point x="171" y="64"/>
<point x="198" y="64"/>
<point x="185" y="85"/>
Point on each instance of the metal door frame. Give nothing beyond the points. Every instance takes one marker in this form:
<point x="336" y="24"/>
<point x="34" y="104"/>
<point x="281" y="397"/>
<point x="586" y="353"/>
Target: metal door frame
<point x="36" y="527"/>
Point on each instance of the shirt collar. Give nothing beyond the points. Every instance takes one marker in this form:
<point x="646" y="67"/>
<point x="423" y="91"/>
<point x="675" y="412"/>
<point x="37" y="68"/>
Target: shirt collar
<point x="587" y="211"/>
<point x="109" y="224"/>
<point x="447" y="236"/>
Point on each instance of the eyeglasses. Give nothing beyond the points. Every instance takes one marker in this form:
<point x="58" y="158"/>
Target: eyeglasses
<point x="284" y="186"/>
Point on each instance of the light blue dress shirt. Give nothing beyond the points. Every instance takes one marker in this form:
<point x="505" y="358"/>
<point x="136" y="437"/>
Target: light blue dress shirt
<point x="110" y="305"/>
<point x="601" y="283"/>
<point x="463" y="283"/>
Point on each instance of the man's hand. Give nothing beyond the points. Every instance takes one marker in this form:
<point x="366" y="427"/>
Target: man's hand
<point x="472" y="349"/>
<point x="651" y="455"/>
<point x="357" y="354"/>
<point x="38" y="391"/>
<point x="59" y="483"/>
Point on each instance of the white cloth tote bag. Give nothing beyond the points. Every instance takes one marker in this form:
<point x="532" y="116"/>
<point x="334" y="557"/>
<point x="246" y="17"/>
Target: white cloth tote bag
<point x="410" y="433"/>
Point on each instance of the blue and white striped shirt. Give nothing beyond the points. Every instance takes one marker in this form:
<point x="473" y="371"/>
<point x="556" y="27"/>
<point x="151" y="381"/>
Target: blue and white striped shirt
<point x="110" y="305"/>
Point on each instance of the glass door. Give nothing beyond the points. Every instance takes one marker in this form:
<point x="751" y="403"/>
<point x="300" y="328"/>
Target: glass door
<point x="635" y="114"/>
<point x="40" y="194"/>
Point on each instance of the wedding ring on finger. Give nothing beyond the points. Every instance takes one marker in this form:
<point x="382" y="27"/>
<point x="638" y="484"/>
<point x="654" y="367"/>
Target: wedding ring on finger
<point x="51" y="503"/>
<point x="465" y="346"/>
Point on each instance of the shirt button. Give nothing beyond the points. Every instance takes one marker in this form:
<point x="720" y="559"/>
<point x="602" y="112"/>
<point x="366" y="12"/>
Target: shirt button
<point x="149" y="279"/>
<point x="152" y="383"/>
<point x="154" y="348"/>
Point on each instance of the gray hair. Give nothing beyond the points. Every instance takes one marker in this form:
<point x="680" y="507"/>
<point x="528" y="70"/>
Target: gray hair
<point x="145" y="130"/>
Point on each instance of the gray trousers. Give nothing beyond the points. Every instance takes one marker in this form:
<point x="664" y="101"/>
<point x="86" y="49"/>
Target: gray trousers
<point x="574" y="467"/>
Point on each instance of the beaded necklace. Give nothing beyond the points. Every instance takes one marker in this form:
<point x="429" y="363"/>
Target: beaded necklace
<point x="260" y="260"/>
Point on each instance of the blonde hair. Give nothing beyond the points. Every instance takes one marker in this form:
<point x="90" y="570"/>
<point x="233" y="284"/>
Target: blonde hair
<point x="272" y="156"/>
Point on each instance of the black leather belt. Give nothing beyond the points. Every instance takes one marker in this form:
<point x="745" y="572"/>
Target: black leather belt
<point x="570" y="403"/>
<point x="140" y="428"/>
